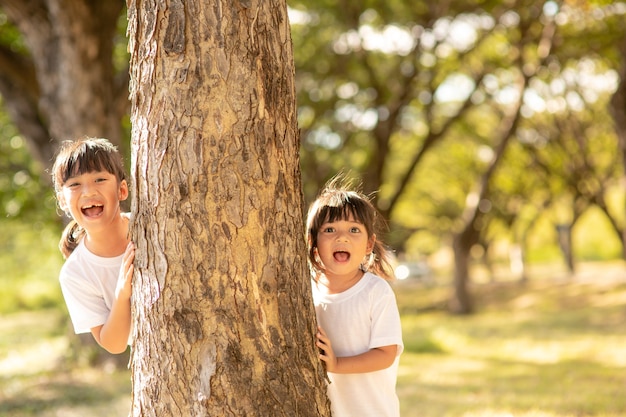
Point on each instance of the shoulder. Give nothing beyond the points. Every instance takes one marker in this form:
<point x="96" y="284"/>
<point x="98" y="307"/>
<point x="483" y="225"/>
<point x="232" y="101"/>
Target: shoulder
<point x="76" y="257"/>
<point x="73" y="265"/>
<point x="377" y="283"/>
<point x="379" y="291"/>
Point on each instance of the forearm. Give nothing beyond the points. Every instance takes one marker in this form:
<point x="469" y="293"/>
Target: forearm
<point x="370" y="361"/>
<point x="113" y="334"/>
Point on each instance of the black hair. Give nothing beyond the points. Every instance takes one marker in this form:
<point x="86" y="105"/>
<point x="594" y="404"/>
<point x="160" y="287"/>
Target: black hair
<point x="338" y="202"/>
<point x="79" y="157"/>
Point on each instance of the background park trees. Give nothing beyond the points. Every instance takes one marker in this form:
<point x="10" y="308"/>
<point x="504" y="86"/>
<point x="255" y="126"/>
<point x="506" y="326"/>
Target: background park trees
<point x="62" y="74"/>
<point x="412" y="97"/>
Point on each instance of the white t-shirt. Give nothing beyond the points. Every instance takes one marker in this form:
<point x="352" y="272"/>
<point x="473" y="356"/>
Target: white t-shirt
<point x="88" y="284"/>
<point x="359" y="319"/>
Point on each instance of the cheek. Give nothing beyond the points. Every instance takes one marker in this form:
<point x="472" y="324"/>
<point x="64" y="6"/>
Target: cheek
<point x="321" y="249"/>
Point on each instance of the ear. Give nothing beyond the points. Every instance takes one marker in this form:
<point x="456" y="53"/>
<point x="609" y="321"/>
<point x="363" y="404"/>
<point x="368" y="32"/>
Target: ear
<point x="123" y="190"/>
<point x="61" y="201"/>
<point x="370" y="243"/>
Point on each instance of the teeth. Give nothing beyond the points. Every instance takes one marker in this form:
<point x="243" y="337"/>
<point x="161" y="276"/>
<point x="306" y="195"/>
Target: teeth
<point x="93" y="205"/>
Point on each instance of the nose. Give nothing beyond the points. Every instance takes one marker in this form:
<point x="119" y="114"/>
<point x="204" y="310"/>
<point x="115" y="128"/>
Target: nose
<point x="88" y="189"/>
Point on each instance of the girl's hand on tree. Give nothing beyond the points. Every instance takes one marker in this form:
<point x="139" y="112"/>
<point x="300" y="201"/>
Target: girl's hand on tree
<point x="326" y="350"/>
<point x="126" y="273"/>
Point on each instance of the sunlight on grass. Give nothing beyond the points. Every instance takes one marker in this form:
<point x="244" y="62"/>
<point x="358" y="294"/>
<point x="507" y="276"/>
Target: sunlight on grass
<point x="35" y="380"/>
<point x="550" y="348"/>
<point x="42" y="356"/>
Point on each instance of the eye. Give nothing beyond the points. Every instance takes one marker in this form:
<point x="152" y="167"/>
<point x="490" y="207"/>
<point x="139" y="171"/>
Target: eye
<point x="328" y="229"/>
<point x="355" y="229"/>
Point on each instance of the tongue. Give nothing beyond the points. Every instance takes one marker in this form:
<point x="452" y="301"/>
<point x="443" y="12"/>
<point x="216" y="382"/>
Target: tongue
<point x="92" y="211"/>
<point x="342" y="256"/>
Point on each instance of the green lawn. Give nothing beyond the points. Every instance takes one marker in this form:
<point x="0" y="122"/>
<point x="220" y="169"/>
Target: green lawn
<point x="550" y="348"/>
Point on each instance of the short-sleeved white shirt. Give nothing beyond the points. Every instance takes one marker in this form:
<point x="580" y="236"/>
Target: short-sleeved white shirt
<point x="359" y="319"/>
<point x="88" y="284"/>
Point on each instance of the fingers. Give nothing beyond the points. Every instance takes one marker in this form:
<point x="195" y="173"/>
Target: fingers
<point x="326" y="353"/>
<point x="129" y="253"/>
<point x="127" y="269"/>
<point x="129" y="257"/>
<point x="321" y="337"/>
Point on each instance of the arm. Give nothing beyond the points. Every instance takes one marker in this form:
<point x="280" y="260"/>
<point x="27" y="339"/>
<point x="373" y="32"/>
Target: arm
<point x="113" y="334"/>
<point x="373" y="360"/>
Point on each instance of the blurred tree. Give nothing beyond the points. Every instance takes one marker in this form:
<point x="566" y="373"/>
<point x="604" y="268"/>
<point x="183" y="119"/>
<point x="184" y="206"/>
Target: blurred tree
<point x="222" y="298"/>
<point x="383" y="84"/>
<point x="403" y="77"/>
<point x="368" y="80"/>
<point x="618" y="111"/>
<point x="572" y="152"/>
<point x="23" y="191"/>
<point x="59" y="76"/>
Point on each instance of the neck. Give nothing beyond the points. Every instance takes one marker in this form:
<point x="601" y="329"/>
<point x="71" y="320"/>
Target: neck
<point x="335" y="284"/>
<point x="110" y="242"/>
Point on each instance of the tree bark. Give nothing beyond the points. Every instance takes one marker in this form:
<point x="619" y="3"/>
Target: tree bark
<point x="224" y="321"/>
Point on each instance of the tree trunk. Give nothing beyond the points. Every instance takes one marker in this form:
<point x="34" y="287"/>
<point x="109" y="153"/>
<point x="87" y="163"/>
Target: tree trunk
<point x="461" y="301"/>
<point x="224" y="321"/>
<point x="564" y="238"/>
<point x="67" y="86"/>
<point x="618" y="111"/>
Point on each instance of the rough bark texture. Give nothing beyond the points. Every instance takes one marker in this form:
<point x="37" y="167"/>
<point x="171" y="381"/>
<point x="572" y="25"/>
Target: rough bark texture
<point x="223" y="313"/>
<point x="66" y="86"/>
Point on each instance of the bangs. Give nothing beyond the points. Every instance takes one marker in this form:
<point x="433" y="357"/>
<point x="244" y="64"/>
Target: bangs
<point x="82" y="162"/>
<point x="85" y="157"/>
<point x="343" y="206"/>
<point x="346" y="211"/>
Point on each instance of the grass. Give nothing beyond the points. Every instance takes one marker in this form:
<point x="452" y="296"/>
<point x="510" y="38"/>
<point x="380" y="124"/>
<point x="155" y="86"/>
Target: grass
<point x="35" y="379"/>
<point x="549" y="348"/>
<point x="552" y="348"/>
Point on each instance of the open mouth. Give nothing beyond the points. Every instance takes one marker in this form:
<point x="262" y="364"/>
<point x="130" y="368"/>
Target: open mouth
<point x="93" y="210"/>
<point x="341" y="256"/>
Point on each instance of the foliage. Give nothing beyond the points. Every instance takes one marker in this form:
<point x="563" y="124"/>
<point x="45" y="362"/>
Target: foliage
<point x="24" y="192"/>
<point x="30" y="263"/>
<point x="371" y="102"/>
<point x="30" y="225"/>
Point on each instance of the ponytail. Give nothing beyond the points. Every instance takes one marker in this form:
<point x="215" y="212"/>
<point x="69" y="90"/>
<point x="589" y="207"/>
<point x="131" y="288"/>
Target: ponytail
<point x="379" y="261"/>
<point x="72" y="234"/>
